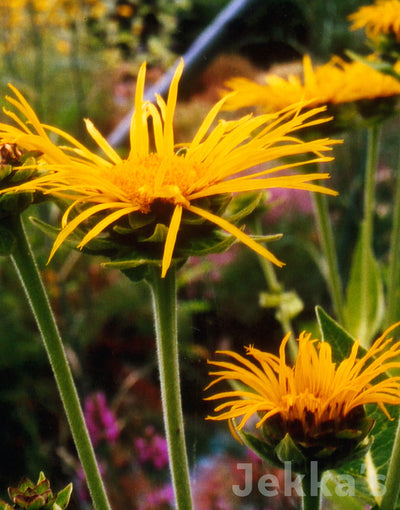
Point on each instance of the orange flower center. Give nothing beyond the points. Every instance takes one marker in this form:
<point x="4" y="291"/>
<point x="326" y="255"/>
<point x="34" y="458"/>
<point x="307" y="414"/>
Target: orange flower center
<point x="153" y="177"/>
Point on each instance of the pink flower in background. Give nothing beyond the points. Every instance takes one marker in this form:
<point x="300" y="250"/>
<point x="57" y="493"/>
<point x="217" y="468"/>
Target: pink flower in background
<point x="288" y="203"/>
<point x="160" y="499"/>
<point x="100" y="420"/>
<point x="152" y="449"/>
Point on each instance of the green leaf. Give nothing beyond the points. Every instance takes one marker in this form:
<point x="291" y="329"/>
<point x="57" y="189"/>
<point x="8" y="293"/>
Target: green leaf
<point x="259" y="447"/>
<point x="333" y="487"/>
<point x="159" y="234"/>
<point x="243" y="205"/>
<point x="364" y="308"/>
<point x="217" y="242"/>
<point x="63" y="497"/>
<point x="369" y="473"/>
<point x="41" y="478"/>
<point x="339" y="339"/>
<point x="287" y="451"/>
<point x="5" y="171"/>
<point x="131" y="264"/>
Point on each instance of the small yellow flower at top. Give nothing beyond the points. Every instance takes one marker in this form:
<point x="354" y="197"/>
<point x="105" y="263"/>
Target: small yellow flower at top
<point x="335" y="83"/>
<point x="381" y="18"/>
<point x="317" y="402"/>
<point x="163" y="192"/>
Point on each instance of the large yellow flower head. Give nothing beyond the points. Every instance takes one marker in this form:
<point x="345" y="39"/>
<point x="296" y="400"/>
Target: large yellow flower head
<point x="337" y="83"/>
<point x="316" y="402"/>
<point x="381" y="18"/>
<point x="160" y="189"/>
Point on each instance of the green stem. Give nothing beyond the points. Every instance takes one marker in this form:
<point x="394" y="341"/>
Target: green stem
<point x="272" y="282"/>
<point x="165" y="318"/>
<point x="367" y="226"/>
<point x="325" y="232"/>
<point x="393" y="269"/>
<point x="274" y="287"/>
<point x="28" y="272"/>
<point x="389" y="499"/>
<point x="369" y="189"/>
<point x="311" y="489"/>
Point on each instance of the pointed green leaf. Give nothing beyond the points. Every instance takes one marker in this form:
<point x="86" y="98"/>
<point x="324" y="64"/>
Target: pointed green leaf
<point x="63" y="497"/>
<point x="369" y="473"/>
<point x="364" y="308"/>
<point x="5" y="171"/>
<point x="159" y="234"/>
<point x="217" y="242"/>
<point x="131" y="264"/>
<point x="41" y="478"/>
<point x="287" y="451"/>
<point x="260" y="447"/>
<point x="339" y="339"/>
<point x="243" y="205"/>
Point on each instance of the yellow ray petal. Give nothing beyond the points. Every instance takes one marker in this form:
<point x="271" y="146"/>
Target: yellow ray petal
<point x="106" y="222"/>
<point x="102" y="142"/>
<point x="171" y="239"/>
<point x="73" y="224"/>
<point x="239" y="234"/>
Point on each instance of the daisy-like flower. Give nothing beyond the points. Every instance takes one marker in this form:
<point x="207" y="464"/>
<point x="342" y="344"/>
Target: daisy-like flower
<point x="163" y="195"/>
<point x="336" y="84"/>
<point x="381" y="18"/>
<point x="318" y="403"/>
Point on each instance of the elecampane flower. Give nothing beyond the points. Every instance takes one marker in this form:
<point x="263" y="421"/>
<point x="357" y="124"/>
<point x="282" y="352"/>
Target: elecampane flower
<point x="313" y="410"/>
<point x="105" y="190"/>
<point x="383" y="17"/>
<point x="333" y="83"/>
<point x="311" y="393"/>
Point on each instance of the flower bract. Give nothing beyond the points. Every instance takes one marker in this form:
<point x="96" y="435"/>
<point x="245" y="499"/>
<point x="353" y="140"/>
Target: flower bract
<point x="161" y="186"/>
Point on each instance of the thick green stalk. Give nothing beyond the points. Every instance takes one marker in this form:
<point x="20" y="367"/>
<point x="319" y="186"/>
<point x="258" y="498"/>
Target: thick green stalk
<point x="311" y="489"/>
<point x="367" y="224"/>
<point x="274" y="287"/>
<point x="329" y="250"/>
<point x="392" y="487"/>
<point x="28" y="272"/>
<point x="165" y="318"/>
<point x="394" y="266"/>
<point x="369" y="187"/>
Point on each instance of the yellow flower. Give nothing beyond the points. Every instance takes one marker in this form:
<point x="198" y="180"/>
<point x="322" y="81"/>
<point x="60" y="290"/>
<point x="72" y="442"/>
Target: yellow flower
<point x="381" y="18"/>
<point x="315" y="393"/>
<point x="163" y="182"/>
<point x="334" y="83"/>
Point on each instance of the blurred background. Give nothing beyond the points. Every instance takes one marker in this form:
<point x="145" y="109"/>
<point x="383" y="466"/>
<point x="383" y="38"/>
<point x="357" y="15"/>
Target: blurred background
<point x="75" y="59"/>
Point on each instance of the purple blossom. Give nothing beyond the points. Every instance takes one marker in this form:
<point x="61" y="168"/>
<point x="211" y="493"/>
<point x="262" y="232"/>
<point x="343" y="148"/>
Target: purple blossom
<point x="152" y="449"/>
<point x="160" y="499"/>
<point x="100" y="420"/>
<point x="288" y="203"/>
